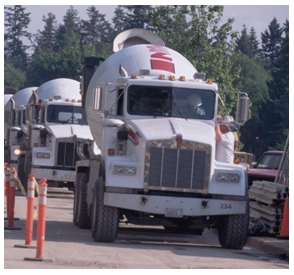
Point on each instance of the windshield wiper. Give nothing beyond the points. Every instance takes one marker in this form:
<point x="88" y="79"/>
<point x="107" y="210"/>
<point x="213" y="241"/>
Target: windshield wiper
<point x="178" y="109"/>
<point x="175" y="104"/>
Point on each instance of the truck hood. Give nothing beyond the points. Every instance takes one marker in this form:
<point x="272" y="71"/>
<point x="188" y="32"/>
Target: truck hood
<point x="193" y="130"/>
<point x="69" y="130"/>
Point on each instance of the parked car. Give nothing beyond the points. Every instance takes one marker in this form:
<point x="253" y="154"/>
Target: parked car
<point x="266" y="167"/>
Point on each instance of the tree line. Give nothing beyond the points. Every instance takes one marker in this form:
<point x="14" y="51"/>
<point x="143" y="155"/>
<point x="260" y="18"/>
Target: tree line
<point x="236" y="61"/>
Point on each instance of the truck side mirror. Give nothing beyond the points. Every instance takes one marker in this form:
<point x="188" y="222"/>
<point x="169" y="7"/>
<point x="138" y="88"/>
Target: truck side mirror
<point x="242" y="108"/>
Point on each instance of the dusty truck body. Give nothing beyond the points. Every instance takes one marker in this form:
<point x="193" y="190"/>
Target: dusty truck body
<point x="14" y="123"/>
<point x="157" y="163"/>
<point x="54" y="120"/>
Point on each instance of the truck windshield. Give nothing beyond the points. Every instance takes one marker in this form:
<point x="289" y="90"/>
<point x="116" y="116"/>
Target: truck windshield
<point x="171" y="102"/>
<point x="66" y="114"/>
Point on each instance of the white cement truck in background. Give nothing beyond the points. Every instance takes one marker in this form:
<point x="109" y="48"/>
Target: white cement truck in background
<point x="6" y="125"/>
<point x="55" y="121"/>
<point x="6" y="99"/>
<point x="14" y="124"/>
<point x="156" y="164"/>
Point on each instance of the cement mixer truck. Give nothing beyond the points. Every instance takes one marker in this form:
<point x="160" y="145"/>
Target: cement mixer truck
<point x="14" y="124"/>
<point x="55" y="121"/>
<point x="157" y="162"/>
<point x="6" y="99"/>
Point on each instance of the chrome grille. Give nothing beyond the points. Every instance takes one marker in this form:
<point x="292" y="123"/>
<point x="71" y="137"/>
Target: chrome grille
<point x="67" y="154"/>
<point x="169" y="167"/>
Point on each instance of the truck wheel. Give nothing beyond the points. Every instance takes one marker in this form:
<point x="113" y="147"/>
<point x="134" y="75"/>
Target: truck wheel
<point x="76" y="200"/>
<point x="233" y="230"/>
<point x="83" y="219"/>
<point x="105" y="219"/>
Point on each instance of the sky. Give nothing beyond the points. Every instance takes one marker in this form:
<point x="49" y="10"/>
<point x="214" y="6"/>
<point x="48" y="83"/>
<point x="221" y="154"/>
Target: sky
<point x="258" y="16"/>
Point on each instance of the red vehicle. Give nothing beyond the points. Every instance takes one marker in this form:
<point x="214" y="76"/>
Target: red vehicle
<point x="266" y="167"/>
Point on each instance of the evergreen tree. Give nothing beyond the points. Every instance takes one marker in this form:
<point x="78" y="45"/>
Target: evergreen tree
<point x="71" y="24"/>
<point x="269" y="128"/>
<point x="97" y="31"/>
<point x="43" y="66"/>
<point x="247" y="43"/>
<point x="64" y="63"/>
<point x="118" y="20"/>
<point x="69" y="61"/>
<point x="254" y="43"/>
<point x="131" y="17"/>
<point x="271" y="43"/>
<point x="16" y="21"/>
<point x="277" y="109"/>
<point x="243" y="43"/>
<point x="47" y="37"/>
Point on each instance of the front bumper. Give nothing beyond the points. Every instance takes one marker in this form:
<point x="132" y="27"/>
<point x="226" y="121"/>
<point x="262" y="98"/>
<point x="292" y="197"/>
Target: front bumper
<point x="186" y="206"/>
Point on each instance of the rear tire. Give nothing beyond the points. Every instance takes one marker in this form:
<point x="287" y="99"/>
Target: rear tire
<point x="105" y="219"/>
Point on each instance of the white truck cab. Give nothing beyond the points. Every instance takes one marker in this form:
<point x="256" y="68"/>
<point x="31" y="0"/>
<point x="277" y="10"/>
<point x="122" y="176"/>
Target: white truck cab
<point x="55" y="120"/>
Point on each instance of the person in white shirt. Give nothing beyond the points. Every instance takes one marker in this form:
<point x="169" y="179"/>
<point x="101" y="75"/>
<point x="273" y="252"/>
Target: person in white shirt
<point x="225" y="140"/>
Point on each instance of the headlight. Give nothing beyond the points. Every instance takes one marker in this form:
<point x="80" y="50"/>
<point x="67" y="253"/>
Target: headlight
<point x="124" y="170"/>
<point x="17" y="151"/>
<point x="227" y="177"/>
<point x="42" y="155"/>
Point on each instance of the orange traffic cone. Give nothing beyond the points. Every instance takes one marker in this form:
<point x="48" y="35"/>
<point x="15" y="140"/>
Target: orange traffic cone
<point x="284" y="232"/>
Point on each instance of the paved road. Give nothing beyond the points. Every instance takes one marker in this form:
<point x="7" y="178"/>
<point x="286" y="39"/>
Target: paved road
<point x="68" y="247"/>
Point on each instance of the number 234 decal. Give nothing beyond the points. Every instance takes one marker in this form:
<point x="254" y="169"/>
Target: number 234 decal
<point x="225" y="206"/>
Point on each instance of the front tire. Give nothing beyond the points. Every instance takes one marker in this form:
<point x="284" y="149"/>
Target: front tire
<point x="233" y="230"/>
<point x="83" y="219"/>
<point x="76" y="200"/>
<point x="105" y="219"/>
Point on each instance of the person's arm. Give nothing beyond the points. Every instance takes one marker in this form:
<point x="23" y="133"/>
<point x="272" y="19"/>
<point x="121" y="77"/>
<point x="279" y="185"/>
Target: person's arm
<point x="217" y="129"/>
<point x="217" y="132"/>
